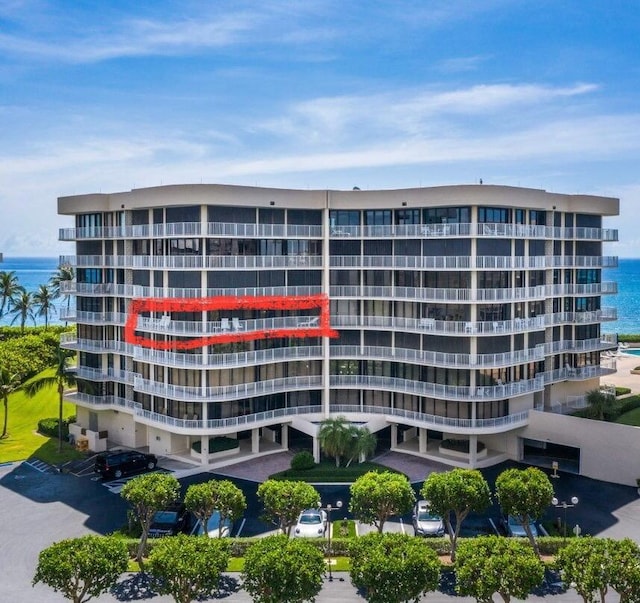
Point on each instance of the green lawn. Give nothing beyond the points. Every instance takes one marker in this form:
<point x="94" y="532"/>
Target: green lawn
<point x="630" y="418"/>
<point x="24" y="441"/>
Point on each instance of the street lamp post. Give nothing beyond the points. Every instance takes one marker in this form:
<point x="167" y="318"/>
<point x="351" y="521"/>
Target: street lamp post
<point x="329" y="508"/>
<point x="564" y="505"/>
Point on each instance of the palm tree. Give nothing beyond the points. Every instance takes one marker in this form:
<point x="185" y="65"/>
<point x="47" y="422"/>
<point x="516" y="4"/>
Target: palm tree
<point x="599" y="403"/>
<point x="8" y="384"/>
<point x="64" y="274"/>
<point x="9" y="289"/>
<point x="363" y="444"/>
<point x="62" y="378"/>
<point x="43" y="301"/>
<point x="335" y="437"/>
<point x="22" y="308"/>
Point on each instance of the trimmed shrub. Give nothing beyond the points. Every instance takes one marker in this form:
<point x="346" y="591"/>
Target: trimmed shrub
<point x="303" y="461"/>
<point x="49" y="427"/>
<point x="622" y="391"/>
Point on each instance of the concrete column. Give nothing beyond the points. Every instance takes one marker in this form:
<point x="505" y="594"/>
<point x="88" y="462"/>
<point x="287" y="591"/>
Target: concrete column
<point x="255" y="440"/>
<point x="422" y="440"/>
<point x="284" y="437"/>
<point x="473" y="451"/>
<point x="316" y="449"/>
<point x="204" y="449"/>
<point x="394" y="436"/>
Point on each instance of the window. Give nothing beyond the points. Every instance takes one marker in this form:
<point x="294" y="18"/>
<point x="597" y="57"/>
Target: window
<point x="447" y="215"/>
<point x="500" y="215"/>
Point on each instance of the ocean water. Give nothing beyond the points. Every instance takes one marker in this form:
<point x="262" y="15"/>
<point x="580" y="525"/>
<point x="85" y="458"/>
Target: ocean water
<point x="627" y="300"/>
<point x="33" y="272"/>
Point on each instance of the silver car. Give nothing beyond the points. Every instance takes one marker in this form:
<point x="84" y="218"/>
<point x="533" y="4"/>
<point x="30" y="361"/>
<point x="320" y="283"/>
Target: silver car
<point x="312" y="523"/>
<point x="426" y="523"/>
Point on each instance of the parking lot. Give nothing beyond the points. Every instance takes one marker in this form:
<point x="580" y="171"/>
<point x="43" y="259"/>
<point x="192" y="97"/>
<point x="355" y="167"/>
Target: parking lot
<point x="44" y="507"/>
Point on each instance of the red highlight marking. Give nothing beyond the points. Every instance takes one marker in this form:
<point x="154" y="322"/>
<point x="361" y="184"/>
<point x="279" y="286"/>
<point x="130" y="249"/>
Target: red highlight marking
<point x="277" y="302"/>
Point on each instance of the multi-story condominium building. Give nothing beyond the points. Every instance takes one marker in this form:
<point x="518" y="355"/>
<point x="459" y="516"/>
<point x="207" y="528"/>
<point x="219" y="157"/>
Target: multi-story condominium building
<point x="428" y="315"/>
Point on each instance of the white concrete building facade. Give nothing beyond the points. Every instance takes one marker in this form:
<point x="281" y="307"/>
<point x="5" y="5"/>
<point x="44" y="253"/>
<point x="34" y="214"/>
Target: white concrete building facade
<point x="455" y="311"/>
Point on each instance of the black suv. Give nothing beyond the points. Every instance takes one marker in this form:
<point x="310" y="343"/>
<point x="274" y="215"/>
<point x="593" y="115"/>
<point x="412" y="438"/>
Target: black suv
<point x="117" y="464"/>
<point x="169" y="521"/>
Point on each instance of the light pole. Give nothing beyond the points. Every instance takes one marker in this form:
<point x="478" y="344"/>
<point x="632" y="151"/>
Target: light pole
<point x="565" y="505"/>
<point x="329" y="508"/>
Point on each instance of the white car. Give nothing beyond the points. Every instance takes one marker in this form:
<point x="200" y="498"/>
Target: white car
<point x="426" y="523"/>
<point x="213" y="527"/>
<point x="312" y="523"/>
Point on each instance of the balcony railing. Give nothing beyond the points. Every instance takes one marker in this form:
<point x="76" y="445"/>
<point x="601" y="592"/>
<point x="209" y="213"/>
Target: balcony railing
<point x="436" y="390"/>
<point x="278" y="415"/>
<point x="509" y="421"/>
<point x="250" y="230"/>
<point x="438" y="358"/>
<point x="194" y="361"/>
<point x="229" y="392"/>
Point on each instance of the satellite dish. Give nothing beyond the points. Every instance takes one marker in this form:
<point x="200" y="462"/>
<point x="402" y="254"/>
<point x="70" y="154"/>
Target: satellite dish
<point x="356" y="188"/>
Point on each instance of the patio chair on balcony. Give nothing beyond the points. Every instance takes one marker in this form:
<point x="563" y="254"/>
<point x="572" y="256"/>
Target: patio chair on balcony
<point x="310" y="322"/>
<point x="427" y="323"/>
<point x="469" y="327"/>
<point x="224" y="324"/>
<point x="498" y="327"/>
<point x="235" y="322"/>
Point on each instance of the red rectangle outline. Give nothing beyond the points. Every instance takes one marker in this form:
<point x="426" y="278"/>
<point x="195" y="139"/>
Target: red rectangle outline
<point x="276" y="302"/>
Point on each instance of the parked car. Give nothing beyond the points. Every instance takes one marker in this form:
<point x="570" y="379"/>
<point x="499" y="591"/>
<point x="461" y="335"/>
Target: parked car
<point x="426" y="523"/>
<point x="124" y="462"/>
<point x="214" y="530"/>
<point x="169" y="521"/>
<point x="513" y="527"/>
<point x="312" y="523"/>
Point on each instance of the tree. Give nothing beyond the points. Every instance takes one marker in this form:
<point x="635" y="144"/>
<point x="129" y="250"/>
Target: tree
<point x="524" y="494"/>
<point x="284" y="500"/>
<point x="456" y="492"/>
<point x="278" y="569"/>
<point x="9" y="289"/>
<point x="8" y="384"/>
<point x="230" y="502"/>
<point x="61" y="378"/>
<point x="599" y="404"/>
<point x="215" y="495"/>
<point x="147" y="494"/>
<point x="22" y="308"/>
<point x="188" y="568"/>
<point x="585" y="564"/>
<point x="625" y="579"/>
<point x="376" y="496"/>
<point x="392" y="568"/>
<point x="491" y="564"/>
<point x="363" y="444"/>
<point x="43" y="302"/>
<point x="82" y="568"/>
<point x="64" y="275"/>
<point x="335" y="437"/>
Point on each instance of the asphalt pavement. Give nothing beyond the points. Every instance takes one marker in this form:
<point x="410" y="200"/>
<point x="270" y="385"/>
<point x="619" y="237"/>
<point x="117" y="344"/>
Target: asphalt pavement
<point x="43" y="506"/>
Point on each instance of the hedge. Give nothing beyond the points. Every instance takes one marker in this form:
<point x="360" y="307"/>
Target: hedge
<point x="548" y="545"/>
<point x="49" y="427"/>
<point x="218" y="444"/>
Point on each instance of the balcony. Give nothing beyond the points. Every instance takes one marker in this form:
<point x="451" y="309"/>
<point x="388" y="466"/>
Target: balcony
<point x="360" y="413"/>
<point x="438" y="358"/>
<point x="192" y="262"/>
<point x="229" y="392"/>
<point x="197" y="361"/>
<point x="251" y="230"/>
<point x="436" y="390"/>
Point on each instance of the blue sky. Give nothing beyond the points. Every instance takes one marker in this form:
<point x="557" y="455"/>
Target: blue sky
<point x="109" y="96"/>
